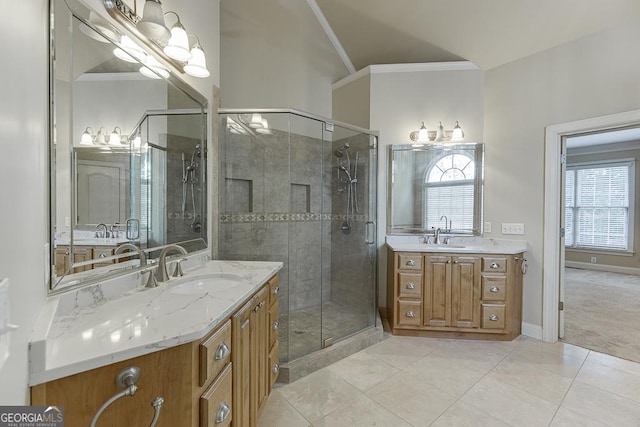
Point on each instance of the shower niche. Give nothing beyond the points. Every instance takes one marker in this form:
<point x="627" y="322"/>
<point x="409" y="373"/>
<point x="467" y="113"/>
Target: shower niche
<point x="294" y="191"/>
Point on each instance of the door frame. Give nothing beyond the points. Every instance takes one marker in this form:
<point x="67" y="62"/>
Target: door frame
<point x="554" y="135"/>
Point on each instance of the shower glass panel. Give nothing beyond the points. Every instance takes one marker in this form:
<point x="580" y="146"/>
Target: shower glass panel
<point x="286" y="195"/>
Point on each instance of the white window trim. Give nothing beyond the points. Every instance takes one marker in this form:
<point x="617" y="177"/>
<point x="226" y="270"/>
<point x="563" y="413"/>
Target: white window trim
<point x="629" y="162"/>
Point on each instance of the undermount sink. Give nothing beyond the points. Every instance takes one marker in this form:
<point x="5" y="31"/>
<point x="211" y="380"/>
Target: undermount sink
<point x="444" y="246"/>
<point x="204" y="284"/>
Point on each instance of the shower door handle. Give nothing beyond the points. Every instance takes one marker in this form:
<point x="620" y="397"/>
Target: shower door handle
<point x="369" y="238"/>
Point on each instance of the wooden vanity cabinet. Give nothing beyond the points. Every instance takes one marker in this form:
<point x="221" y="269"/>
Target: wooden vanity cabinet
<point x="255" y="357"/>
<point x="221" y="380"/>
<point x="63" y="257"/>
<point x="455" y="295"/>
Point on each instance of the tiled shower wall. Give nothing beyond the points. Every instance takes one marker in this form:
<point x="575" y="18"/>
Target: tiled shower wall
<point x="281" y="201"/>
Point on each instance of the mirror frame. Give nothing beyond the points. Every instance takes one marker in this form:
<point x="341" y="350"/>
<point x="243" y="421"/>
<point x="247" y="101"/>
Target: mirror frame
<point x="81" y="12"/>
<point x="478" y="190"/>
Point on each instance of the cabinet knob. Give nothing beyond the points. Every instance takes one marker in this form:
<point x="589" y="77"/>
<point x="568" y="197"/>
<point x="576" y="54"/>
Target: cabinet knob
<point x="494" y="265"/>
<point x="222" y="413"/>
<point x="494" y="318"/>
<point x="494" y="289"/>
<point x="411" y="285"/>
<point x="276" y="325"/>
<point x="410" y="314"/>
<point x="411" y="263"/>
<point x="275" y="290"/>
<point x="221" y="352"/>
<point x="276" y="368"/>
<point x="258" y="307"/>
<point x="102" y="255"/>
<point x="66" y="252"/>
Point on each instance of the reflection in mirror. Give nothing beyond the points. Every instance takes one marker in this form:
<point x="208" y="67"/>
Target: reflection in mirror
<point x="435" y="186"/>
<point x="128" y="153"/>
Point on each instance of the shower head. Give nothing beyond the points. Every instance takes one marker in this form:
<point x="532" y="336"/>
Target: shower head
<point x="338" y="153"/>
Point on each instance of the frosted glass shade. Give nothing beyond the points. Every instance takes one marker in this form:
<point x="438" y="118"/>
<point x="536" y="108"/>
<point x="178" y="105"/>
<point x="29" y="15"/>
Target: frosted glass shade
<point x="197" y="66"/>
<point x="152" y="24"/>
<point x="153" y="69"/>
<point x="87" y="138"/>
<point x="129" y="51"/>
<point x="178" y="46"/>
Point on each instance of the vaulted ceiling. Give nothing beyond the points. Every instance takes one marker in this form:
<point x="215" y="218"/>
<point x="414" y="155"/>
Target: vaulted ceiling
<point x="488" y="33"/>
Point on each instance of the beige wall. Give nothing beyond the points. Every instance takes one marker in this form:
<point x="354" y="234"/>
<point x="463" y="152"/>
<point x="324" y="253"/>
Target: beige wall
<point x="352" y="102"/>
<point x="593" y="76"/>
<point x="603" y="258"/>
<point x="274" y="54"/>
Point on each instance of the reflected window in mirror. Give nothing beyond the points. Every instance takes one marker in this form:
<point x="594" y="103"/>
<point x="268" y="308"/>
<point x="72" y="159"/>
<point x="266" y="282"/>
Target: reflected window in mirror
<point x="448" y="192"/>
<point x="429" y="182"/>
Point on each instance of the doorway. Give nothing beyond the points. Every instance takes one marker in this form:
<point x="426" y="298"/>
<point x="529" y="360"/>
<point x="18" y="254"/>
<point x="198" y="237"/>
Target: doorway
<point x="553" y="241"/>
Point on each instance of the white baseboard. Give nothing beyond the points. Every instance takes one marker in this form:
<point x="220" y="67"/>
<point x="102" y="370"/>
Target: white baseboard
<point x="602" y="267"/>
<point x="531" y="330"/>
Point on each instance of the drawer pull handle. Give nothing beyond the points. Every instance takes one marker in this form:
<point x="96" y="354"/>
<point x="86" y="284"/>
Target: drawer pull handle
<point x="221" y="352"/>
<point x="494" y="289"/>
<point x="410" y="314"/>
<point x="275" y="290"/>
<point x="276" y="368"/>
<point x="411" y="263"/>
<point x="495" y="265"/>
<point x="258" y="307"/>
<point x="494" y="318"/>
<point x="276" y="325"/>
<point x="223" y="413"/>
<point x="411" y="285"/>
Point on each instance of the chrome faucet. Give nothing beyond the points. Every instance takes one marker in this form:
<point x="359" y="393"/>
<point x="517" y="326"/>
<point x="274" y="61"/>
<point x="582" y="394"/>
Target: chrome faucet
<point x="121" y="248"/>
<point x="436" y="239"/>
<point x="114" y="230"/>
<point x="161" y="270"/>
<point x="104" y="232"/>
<point x="446" y="222"/>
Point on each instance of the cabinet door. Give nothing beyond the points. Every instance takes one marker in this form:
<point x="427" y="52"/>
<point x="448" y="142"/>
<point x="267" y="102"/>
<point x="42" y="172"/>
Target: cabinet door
<point x="465" y="292"/>
<point x="241" y="343"/>
<point x="260" y="344"/>
<point x="437" y="310"/>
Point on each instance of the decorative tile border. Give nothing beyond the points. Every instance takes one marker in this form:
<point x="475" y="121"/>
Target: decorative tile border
<point x="286" y="217"/>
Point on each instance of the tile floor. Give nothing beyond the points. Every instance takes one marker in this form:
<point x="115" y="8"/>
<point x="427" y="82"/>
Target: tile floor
<point x="407" y="381"/>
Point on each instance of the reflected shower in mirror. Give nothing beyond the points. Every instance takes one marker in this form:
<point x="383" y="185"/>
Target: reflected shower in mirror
<point x="435" y="186"/>
<point x="128" y="152"/>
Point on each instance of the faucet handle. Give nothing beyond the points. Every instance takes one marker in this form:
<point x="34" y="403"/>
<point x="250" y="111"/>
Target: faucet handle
<point x="152" y="282"/>
<point x="177" y="271"/>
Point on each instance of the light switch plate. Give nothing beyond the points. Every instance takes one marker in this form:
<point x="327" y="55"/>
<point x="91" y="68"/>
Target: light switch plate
<point x="4" y="321"/>
<point x="512" y="228"/>
<point x="487" y="227"/>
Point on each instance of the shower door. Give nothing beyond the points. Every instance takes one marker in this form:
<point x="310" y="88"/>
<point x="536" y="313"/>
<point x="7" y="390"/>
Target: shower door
<point x="349" y="233"/>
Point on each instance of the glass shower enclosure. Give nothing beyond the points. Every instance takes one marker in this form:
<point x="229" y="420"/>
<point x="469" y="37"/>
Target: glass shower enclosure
<point x="301" y="189"/>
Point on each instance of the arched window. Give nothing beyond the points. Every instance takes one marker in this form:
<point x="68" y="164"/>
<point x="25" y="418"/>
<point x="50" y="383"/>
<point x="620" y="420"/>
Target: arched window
<point x="449" y="190"/>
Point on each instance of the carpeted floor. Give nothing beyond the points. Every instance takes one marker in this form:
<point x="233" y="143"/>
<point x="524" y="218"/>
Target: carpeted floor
<point x="602" y="312"/>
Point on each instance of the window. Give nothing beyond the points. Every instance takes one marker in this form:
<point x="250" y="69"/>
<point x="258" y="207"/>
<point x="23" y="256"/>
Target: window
<point x="598" y="205"/>
<point x="449" y="190"/>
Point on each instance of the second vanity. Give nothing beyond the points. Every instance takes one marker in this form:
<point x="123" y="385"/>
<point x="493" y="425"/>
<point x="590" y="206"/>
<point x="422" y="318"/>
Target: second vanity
<point x="205" y="344"/>
<point x="469" y="288"/>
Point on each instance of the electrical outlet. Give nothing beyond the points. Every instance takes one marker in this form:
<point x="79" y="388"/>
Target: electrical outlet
<point x="487" y="227"/>
<point x="594" y="260"/>
<point x="512" y="228"/>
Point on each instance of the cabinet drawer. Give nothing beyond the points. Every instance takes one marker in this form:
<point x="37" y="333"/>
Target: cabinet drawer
<point x="215" y="353"/>
<point x="410" y="261"/>
<point x="409" y="313"/>
<point x="215" y="402"/>
<point x="274" y="289"/>
<point x="99" y="253"/>
<point x="494" y="288"/>
<point x="274" y="365"/>
<point x="493" y="316"/>
<point x="274" y="325"/>
<point x="494" y="264"/>
<point x="409" y="285"/>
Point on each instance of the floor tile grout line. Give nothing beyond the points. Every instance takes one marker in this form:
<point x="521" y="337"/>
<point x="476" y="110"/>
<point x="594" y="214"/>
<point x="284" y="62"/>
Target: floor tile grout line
<point x="573" y="380"/>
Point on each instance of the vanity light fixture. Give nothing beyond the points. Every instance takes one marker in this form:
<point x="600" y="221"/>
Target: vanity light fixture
<point x="101" y="25"/>
<point x="439" y="135"/>
<point x="153" y="69"/>
<point x="256" y="121"/>
<point x="178" y="45"/>
<point x="114" y="139"/>
<point x="265" y="128"/>
<point x="152" y="24"/>
<point x="129" y="51"/>
<point x="197" y="65"/>
<point x="87" y="137"/>
<point x="99" y="139"/>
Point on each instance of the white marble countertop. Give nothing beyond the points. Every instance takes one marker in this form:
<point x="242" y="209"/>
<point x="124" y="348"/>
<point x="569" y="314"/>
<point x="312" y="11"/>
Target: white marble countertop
<point x="457" y="244"/>
<point x="116" y="320"/>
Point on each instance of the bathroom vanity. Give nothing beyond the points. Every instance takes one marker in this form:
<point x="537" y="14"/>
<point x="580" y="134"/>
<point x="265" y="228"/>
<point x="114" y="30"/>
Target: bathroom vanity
<point x="470" y="288"/>
<point x="205" y="343"/>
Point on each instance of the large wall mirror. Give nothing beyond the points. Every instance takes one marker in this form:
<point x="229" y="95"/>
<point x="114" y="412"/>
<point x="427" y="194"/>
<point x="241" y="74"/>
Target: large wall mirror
<point x="128" y="152"/>
<point x="432" y="181"/>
